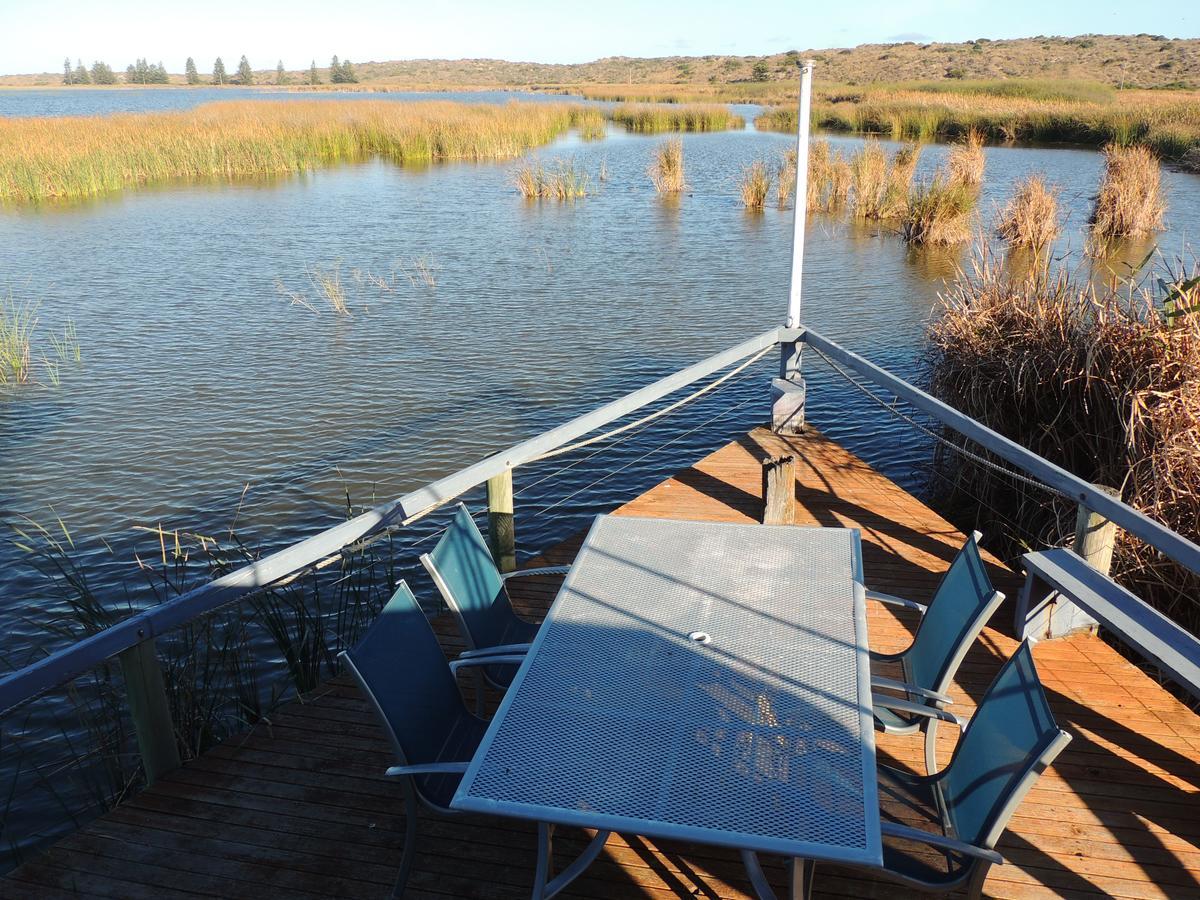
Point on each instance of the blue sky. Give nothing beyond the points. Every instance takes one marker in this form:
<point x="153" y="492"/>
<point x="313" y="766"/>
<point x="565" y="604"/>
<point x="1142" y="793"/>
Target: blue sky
<point x="35" y="36"/>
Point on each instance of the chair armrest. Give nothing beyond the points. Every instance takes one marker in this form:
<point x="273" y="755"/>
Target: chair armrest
<point x="541" y="570"/>
<point x="892" y="600"/>
<point x="510" y="659"/>
<point x="917" y="709"/>
<point x="498" y="650"/>
<point x="891" y="684"/>
<point x="442" y="768"/>
<point x="940" y="841"/>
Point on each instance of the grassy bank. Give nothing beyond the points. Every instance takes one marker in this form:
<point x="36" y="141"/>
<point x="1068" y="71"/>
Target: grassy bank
<point x="57" y="158"/>
<point x="1168" y="122"/>
<point x="655" y="119"/>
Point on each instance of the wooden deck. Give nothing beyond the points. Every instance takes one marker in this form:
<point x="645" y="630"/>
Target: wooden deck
<point x="298" y="806"/>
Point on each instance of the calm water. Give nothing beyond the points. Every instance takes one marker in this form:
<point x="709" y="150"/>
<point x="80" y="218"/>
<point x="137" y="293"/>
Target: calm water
<point x="205" y="394"/>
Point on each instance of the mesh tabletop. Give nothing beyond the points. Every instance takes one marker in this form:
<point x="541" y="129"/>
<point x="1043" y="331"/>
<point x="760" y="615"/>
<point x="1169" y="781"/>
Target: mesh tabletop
<point x="700" y="681"/>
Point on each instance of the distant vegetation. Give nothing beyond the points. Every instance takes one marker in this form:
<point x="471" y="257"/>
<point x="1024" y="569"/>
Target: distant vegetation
<point x="656" y="118"/>
<point x="55" y="158"/>
<point x="1085" y="113"/>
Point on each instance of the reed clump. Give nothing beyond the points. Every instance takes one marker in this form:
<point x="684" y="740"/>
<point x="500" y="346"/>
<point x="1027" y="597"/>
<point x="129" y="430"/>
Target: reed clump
<point x="658" y="118"/>
<point x="939" y="212"/>
<point x="1030" y="218"/>
<point x="966" y="160"/>
<point x="666" y="169"/>
<point x="880" y="185"/>
<point x="21" y="345"/>
<point x="1100" y="381"/>
<point x="755" y="185"/>
<point x="71" y="157"/>
<point x="1130" y="201"/>
<point x="785" y="176"/>
<point x="563" y="180"/>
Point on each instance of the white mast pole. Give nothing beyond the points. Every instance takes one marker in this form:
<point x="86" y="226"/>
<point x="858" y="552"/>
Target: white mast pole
<point x="793" y="316"/>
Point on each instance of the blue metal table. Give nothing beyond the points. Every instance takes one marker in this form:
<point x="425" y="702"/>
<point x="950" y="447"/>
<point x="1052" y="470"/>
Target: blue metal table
<point x="695" y="681"/>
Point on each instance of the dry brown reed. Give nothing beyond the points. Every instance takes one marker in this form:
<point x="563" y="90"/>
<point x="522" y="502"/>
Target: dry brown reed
<point x="1130" y="201"/>
<point x="1030" y="218"/>
<point x="839" y="179"/>
<point x="1098" y="381"/>
<point x="785" y="179"/>
<point x="666" y="170"/>
<point x="868" y="168"/>
<point x="939" y="213"/>
<point x="966" y="160"/>
<point x="563" y="181"/>
<point x="755" y="185"/>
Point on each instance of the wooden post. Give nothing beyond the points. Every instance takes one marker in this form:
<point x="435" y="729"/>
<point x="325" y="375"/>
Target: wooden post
<point x="149" y="709"/>
<point x="502" y="539"/>
<point x="1094" y="539"/>
<point x="779" y="490"/>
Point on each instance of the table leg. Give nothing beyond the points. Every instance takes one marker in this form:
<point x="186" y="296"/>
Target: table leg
<point x="801" y="873"/>
<point x="545" y="887"/>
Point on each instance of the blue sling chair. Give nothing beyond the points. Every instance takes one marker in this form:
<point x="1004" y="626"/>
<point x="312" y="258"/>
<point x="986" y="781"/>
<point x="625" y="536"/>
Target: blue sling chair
<point x="462" y="568"/>
<point x="963" y="603"/>
<point x="1008" y="743"/>
<point x="401" y="669"/>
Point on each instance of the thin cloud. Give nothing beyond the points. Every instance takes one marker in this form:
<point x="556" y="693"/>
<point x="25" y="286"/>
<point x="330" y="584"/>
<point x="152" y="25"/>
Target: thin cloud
<point x="916" y="36"/>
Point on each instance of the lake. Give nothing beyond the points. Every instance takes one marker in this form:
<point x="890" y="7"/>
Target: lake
<point x="205" y="395"/>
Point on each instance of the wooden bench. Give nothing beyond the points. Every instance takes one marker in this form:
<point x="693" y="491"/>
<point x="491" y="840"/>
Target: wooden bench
<point x="1063" y="594"/>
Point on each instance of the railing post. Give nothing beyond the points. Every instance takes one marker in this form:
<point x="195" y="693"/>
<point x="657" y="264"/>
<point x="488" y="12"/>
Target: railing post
<point x="502" y="539"/>
<point x="1095" y="537"/>
<point x="149" y="709"/>
<point x="788" y="391"/>
<point x="779" y="490"/>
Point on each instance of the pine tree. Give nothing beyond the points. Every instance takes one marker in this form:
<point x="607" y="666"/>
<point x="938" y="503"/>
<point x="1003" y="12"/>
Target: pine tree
<point x="245" y="75"/>
<point x="348" y="76"/>
<point x="157" y="74"/>
<point x="193" y="77"/>
<point x="280" y="74"/>
<point x="218" y="72"/>
<point x="68" y="74"/>
<point x="102" y="74"/>
<point x="313" y="76"/>
<point x="335" y="71"/>
<point x="81" y="75"/>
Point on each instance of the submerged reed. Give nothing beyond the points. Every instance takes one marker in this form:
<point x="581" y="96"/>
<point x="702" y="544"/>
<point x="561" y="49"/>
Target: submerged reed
<point x="966" y="160"/>
<point x="755" y="185"/>
<point x="1030" y="218"/>
<point x="939" y="212"/>
<point x="55" y="158"/>
<point x="17" y="324"/>
<point x="1130" y="201"/>
<point x="666" y="170"/>
<point x="564" y="181"/>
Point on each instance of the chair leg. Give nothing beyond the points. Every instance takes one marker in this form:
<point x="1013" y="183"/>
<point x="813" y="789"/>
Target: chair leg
<point x="974" y="890"/>
<point x="480" y="692"/>
<point x="931" y="746"/>
<point x="758" y="879"/>
<point x="410" y="839"/>
<point x="802" y="875"/>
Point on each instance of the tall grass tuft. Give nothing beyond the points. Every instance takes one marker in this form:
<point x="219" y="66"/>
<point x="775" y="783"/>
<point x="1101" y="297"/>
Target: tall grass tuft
<point x="785" y="178"/>
<point x="563" y="181"/>
<point x="1100" y="381"/>
<point x="1030" y="218"/>
<point x="869" y="177"/>
<point x="755" y="185"/>
<point x="656" y="118"/>
<point x="17" y="324"/>
<point x="70" y="157"/>
<point x="939" y="213"/>
<point x="1130" y="201"/>
<point x="966" y="160"/>
<point x="666" y="170"/>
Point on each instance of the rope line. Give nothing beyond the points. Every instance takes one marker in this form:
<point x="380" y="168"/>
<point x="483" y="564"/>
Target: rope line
<point x="974" y="457"/>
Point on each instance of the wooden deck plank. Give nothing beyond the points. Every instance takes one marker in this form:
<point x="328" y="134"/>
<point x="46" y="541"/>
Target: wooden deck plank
<point x="299" y="804"/>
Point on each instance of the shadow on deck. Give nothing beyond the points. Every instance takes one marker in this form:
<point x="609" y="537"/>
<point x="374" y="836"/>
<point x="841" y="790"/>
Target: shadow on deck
<point x="299" y="805"/>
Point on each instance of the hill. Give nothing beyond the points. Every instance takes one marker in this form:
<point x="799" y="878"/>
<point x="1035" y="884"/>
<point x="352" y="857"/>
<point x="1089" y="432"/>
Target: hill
<point x="1143" y="60"/>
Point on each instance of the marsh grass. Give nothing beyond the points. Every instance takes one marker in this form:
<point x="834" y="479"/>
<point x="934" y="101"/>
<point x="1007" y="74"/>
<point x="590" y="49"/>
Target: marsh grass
<point x="328" y="285"/>
<point x="590" y="122"/>
<point x="1130" y="201"/>
<point x="785" y="178"/>
<point x="1030" y="218"/>
<point x="1098" y="380"/>
<point x="657" y="118"/>
<point x="71" y="157"/>
<point x="666" y="169"/>
<point x="940" y="212"/>
<point x="562" y="181"/>
<point x="18" y="322"/>
<point x="880" y="185"/>
<point x="965" y="162"/>
<point x="755" y="185"/>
